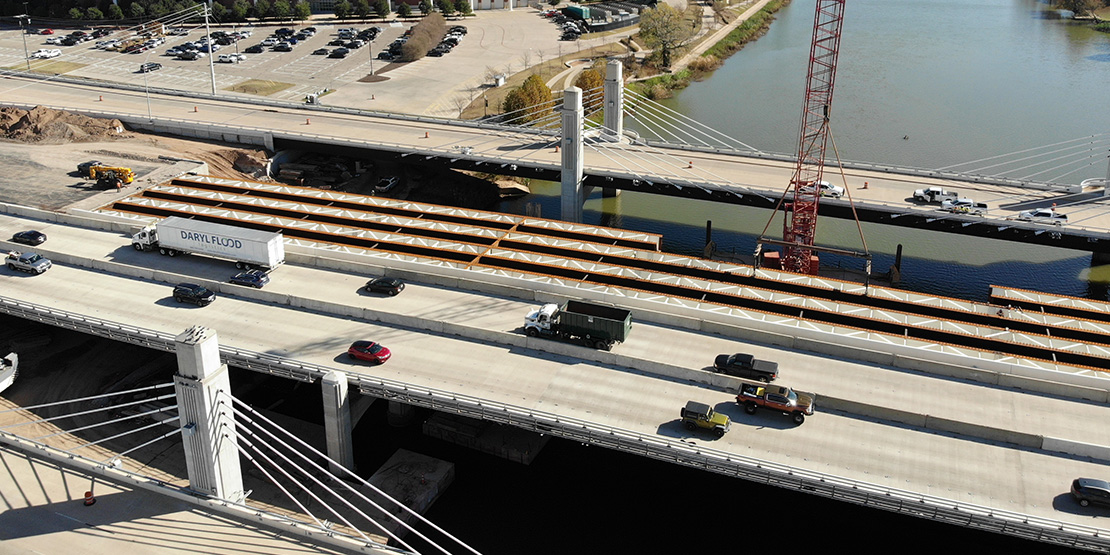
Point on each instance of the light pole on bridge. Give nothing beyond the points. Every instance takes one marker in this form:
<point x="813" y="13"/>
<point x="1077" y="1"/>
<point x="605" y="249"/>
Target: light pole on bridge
<point x="24" y="24"/>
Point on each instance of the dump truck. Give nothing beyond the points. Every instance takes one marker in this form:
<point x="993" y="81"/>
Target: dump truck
<point x="596" y="325"/>
<point x="248" y="248"/>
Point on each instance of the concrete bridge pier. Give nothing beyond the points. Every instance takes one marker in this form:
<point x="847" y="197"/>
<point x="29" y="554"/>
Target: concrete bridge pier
<point x="573" y="194"/>
<point x="337" y="421"/>
<point x="207" y="422"/>
<point x="400" y="414"/>
<point x="613" y="126"/>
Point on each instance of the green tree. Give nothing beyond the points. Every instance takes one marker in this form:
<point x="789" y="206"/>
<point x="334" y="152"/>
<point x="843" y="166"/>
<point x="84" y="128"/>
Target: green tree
<point x="220" y="12"/>
<point x="1080" y="8"/>
<point x="262" y="9"/>
<point x="240" y="9"/>
<point x="404" y="9"/>
<point x="343" y="9"/>
<point x="425" y="7"/>
<point x="281" y="10"/>
<point x="136" y="10"/>
<point x="463" y="7"/>
<point x="663" y="29"/>
<point x="445" y="6"/>
<point x="363" y="9"/>
<point x="76" y="13"/>
<point x="94" y="14"/>
<point x="114" y="11"/>
<point x="301" y="10"/>
<point x="382" y="8"/>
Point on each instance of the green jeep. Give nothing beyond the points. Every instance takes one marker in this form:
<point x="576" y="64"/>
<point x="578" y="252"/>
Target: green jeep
<point x="699" y="415"/>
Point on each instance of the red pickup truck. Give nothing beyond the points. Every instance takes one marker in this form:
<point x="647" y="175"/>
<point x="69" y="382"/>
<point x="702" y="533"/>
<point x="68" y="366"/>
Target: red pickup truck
<point x="796" y="404"/>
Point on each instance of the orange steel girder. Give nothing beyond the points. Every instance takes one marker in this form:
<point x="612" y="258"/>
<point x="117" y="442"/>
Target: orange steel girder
<point x="800" y="225"/>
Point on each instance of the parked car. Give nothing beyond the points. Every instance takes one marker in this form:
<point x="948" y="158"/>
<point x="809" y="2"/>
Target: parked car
<point x="269" y="41"/>
<point x="337" y="42"/>
<point x="1043" y="216"/>
<point x="385" y="56"/>
<point x="193" y="293"/>
<point x="190" y="55"/>
<point x="369" y="351"/>
<point x="1090" y="490"/>
<point x="339" y="53"/>
<point x="46" y="32"/>
<point x="389" y="286"/>
<point x="29" y="237"/>
<point x="83" y="167"/>
<point x="150" y="66"/>
<point x="251" y="278"/>
<point x="320" y="52"/>
<point x="256" y="49"/>
<point x="44" y="53"/>
<point x="825" y="189"/>
<point x="283" y="47"/>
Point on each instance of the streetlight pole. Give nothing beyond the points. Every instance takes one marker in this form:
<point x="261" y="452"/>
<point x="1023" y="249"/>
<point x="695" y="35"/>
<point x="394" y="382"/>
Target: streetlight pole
<point x="22" y="19"/>
<point x="371" y="57"/>
<point x="211" y="51"/>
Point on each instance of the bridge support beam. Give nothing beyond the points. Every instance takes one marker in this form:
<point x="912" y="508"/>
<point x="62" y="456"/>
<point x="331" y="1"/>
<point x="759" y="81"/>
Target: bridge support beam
<point x="337" y="421"/>
<point x="614" y="102"/>
<point x="572" y="194"/>
<point x="207" y="423"/>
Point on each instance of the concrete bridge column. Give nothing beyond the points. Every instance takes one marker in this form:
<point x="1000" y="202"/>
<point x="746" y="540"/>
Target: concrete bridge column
<point x="399" y="414"/>
<point x="572" y="194"/>
<point x="207" y="422"/>
<point x="614" y="102"/>
<point x="337" y="421"/>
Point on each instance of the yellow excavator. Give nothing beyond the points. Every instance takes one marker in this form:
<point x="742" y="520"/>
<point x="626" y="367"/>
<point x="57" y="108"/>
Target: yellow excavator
<point x="111" y="177"/>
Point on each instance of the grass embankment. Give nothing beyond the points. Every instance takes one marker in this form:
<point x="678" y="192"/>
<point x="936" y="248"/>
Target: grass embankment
<point x="747" y="31"/>
<point x="49" y="67"/>
<point x="546" y="71"/>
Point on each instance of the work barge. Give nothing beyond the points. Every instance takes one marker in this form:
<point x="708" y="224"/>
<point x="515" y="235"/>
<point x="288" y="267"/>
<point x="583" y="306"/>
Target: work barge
<point x="1043" y="329"/>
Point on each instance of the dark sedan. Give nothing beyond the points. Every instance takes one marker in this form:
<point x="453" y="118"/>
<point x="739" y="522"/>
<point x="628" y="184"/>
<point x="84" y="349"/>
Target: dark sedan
<point x="339" y="53"/>
<point x="30" y="237"/>
<point x="251" y="278"/>
<point x="1089" y="490"/>
<point x="320" y="52"/>
<point x="369" y="351"/>
<point x="193" y="293"/>
<point x="389" y="286"/>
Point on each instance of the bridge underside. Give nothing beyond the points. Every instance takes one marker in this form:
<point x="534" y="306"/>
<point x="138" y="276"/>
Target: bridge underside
<point x="967" y="225"/>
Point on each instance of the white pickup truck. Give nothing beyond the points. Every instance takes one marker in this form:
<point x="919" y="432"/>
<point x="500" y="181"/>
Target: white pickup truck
<point x="964" y="206"/>
<point x="30" y="262"/>
<point x="935" y="194"/>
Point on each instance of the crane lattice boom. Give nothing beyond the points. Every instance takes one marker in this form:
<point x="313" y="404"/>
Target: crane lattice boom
<point x="800" y="226"/>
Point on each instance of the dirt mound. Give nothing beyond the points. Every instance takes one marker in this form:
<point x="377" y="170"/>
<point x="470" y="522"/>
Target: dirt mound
<point x="43" y="125"/>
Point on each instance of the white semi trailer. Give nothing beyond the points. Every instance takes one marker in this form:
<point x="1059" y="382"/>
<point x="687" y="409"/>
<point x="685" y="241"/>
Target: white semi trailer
<point x="248" y="248"/>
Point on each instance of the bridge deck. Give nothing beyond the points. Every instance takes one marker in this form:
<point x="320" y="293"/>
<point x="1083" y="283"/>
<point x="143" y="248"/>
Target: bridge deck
<point x="899" y="456"/>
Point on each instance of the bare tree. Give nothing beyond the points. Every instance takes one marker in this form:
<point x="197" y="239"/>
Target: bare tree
<point x="526" y="57"/>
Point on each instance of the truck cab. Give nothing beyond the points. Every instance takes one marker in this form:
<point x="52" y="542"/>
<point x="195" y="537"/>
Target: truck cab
<point x="697" y="415"/>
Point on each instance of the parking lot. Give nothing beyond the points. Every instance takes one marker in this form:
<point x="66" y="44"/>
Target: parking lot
<point x="496" y="42"/>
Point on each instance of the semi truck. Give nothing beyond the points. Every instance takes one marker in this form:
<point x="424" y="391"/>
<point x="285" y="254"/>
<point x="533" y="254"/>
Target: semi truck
<point x="248" y="248"/>
<point x="596" y="325"/>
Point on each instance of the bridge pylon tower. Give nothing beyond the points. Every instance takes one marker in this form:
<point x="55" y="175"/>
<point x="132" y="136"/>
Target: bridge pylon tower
<point x="572" y="192"/>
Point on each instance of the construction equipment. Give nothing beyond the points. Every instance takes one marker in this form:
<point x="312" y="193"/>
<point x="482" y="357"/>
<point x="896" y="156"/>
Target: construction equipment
<point x="800" y="228"/>
<point x="111" y="177"/>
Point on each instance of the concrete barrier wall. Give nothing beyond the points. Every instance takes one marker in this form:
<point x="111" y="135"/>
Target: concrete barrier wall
<point x="984" y="432"/>
<point x="1101" y="452"/>
<point x="824" y="402"/>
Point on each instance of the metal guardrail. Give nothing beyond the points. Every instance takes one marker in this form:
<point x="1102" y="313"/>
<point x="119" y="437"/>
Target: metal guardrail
<point x="653" y="446"/>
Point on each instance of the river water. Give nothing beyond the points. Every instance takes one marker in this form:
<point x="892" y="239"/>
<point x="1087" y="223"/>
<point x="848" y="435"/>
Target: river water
<point x="924" y="84"/>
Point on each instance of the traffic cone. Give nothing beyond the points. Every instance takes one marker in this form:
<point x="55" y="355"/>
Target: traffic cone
<point x="307" y="121"/>
<point x="194" y="108"/>
<point x="691" y="165"/>
<point x="864" y="184"/>
<point x="425" y="134"/>
<point x="89" y="499"/>
<point x="102" y="98"/>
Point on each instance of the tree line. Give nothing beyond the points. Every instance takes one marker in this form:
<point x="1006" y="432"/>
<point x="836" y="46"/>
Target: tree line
<point x="226" y="11"/>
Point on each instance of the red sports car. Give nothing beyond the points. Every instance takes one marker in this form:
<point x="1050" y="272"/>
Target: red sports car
<point x="369" y="351"/>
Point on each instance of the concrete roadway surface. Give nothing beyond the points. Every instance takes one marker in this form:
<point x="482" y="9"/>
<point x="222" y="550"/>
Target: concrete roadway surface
<point x="965" y="469"/>
<point x="767" y="177"/>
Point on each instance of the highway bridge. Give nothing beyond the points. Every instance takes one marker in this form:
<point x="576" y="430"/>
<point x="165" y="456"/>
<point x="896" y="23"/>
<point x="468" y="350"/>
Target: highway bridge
<point x="877" y="194"/>
<point x="954" y="433"/>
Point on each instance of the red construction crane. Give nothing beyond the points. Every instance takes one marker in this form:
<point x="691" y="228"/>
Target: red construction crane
<point x="800" y="225"/>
